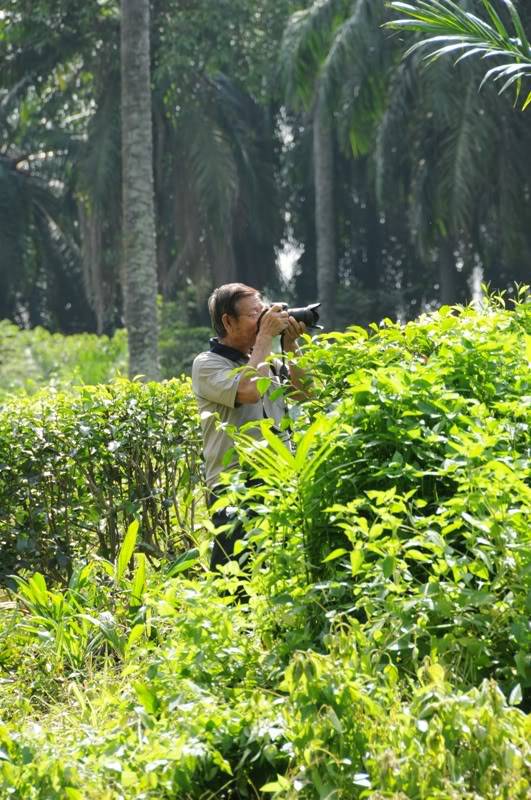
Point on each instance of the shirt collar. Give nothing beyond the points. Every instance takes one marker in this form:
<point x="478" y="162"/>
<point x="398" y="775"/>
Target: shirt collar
<point x="228" y="352"/>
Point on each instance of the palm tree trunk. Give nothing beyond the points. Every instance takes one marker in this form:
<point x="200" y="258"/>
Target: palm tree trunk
<point x="139" y="246"/>
<point x="323" y="160"/>
<point x="447" y="272"/>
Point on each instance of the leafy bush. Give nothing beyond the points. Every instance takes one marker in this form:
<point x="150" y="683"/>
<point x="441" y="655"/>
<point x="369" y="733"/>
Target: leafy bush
<point x="352" y="736"/>
<point x="32" y="359"/>
<point x="201" y="709"/>
<point x="76" y="469"/>
<point x="388" y="590"/>
<point x="405" y="505"/>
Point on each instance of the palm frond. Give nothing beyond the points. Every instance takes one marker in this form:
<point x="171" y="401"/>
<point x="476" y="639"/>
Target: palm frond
<point x="391" y="157"/>
<point x="214" y="170"/>
<point x="354" y="74"/>
<point x="448" y="29"/>
<point x="306" y="41"/>
<point x="462" y="162"/>
<point x="512" y="193"/>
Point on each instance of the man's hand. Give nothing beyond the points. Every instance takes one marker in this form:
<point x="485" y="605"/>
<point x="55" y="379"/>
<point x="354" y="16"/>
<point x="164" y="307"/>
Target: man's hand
<point x="274" y="321"/>
<point x="292" y="332"/>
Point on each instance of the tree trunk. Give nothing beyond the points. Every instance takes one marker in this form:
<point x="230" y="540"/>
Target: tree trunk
<point x="323" y="164"/>
<point x="447" y="272"/>
<point x="139" y="246"/>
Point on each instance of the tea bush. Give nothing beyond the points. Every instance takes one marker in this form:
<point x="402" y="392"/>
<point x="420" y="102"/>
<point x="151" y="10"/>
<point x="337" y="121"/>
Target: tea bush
<point x="384" y="648"/>
<point x="405" y="505"/>
<point x="200" y="707"/>
<point x="33" y="359"/>
<point x="76" y="468"/>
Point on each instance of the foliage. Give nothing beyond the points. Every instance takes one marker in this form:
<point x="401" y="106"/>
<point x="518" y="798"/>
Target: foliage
<point x="410" y="220"/>
<point x="60" y="173"/>
<point x="383" y="650"/>
<point x="77" y="468"/>
<point x="404" y="506"/>
<point x="233" y="169"/>
<point x="97" y="614"/>
<point x="200" y="708"/>
<point x="450" y="29"/>
<point x="32" y="359"/>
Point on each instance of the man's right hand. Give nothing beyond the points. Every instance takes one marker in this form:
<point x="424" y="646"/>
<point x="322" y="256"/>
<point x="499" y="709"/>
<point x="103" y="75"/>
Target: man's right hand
<point x="274" y="322"/>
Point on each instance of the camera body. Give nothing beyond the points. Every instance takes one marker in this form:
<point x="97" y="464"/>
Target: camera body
<point x="307" y="314"/>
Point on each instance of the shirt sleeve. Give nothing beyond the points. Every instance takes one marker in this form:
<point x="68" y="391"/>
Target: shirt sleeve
<point x="215" y="381"/>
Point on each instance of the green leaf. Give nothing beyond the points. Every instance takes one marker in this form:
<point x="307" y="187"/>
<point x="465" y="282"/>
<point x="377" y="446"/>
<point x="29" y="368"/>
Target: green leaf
<point x="356" y="560"/>
<point x="277" y="446"/>
<point x="388" y="564"/>
<point x="436" y="673"/>
<point x="147" y="697"/>
<point x="139" y="579"/>
<point x="136" y="633"/>
<point x="263" y="384"/>
<point x="185" y="561"/>
<point x="279" y="785"/>
<point x="73" y="794"/>
<point x="340" y="551"/>
<point x="126" y="550"/>
<point x="515" y="698"/>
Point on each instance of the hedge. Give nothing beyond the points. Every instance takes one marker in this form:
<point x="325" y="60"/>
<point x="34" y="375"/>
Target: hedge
<point x="76" y="469"/>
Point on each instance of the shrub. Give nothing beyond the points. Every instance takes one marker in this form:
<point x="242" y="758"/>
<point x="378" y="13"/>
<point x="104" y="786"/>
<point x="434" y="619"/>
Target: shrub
<point x="76" y="469"/>
<point x="405" y="504"/>
<point x="32" y="359"/>
<point x="204" y="712"/>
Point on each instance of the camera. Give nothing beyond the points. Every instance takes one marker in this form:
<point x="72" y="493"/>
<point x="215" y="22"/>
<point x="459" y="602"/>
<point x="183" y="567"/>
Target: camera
<point x="307" y="314"/>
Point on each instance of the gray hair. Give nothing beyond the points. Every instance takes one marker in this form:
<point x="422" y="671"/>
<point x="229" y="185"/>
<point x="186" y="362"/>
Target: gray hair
<point x="224" y="300"/>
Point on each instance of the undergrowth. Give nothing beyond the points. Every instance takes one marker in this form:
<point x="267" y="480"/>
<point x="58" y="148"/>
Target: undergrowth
<point x="384" y="648"/>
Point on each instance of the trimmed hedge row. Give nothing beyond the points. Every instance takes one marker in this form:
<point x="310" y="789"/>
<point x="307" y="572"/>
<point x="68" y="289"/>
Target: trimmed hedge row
<point x="75" y="469"/>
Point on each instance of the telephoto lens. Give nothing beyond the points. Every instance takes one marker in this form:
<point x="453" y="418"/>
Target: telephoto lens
<point x="307" y="314"/>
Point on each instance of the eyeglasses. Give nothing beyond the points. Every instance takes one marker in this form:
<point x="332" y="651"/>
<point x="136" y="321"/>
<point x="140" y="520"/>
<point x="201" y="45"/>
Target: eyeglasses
<point x="252" y="314"/>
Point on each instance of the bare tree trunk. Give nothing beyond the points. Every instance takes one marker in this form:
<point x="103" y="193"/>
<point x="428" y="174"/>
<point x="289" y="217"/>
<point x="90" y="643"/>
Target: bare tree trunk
<point x="447" y="272"/>
<point x="99" y="286"/>
<point x="139" y="246"/>
<point x="323" y="162"/>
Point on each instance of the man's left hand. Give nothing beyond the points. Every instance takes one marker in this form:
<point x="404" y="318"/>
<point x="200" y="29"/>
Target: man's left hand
<point x="292" y="333"/>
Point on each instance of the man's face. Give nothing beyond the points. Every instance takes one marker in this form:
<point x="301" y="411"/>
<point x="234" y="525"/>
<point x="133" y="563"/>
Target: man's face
<point x="242" y="329"/>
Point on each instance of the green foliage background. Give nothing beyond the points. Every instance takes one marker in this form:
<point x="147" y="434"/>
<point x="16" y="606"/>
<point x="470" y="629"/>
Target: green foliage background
<point x="384" y="651"/>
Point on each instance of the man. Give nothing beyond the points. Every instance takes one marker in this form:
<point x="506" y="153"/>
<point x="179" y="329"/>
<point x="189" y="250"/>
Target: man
<point x="245" y="329"/>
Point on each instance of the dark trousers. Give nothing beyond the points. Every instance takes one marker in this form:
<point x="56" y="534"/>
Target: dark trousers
<point x="223" y="549"/>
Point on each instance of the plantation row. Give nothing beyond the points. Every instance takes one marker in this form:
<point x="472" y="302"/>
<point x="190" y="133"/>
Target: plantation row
<point x="77" y="468"/>
<point x="385" y="648"/>
<point x="32" y="359"/>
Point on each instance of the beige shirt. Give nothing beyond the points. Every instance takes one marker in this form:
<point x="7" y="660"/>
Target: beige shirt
<point x="215" y="382"/>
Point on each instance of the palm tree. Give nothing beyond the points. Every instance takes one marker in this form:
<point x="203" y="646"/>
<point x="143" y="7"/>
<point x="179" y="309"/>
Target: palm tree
<point x="447" y="28"/>
<point x="215" y="151"/>
<point x="40" y="280"/>
<point x="488" y="211"/>
<point x="333" y="62"/>
<point x="215" y="190"/>
<point x="51" y="70"/>
<point x="139" y="246"/>
<point x="420" y="131"/>
<point x="304" y="43"/>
